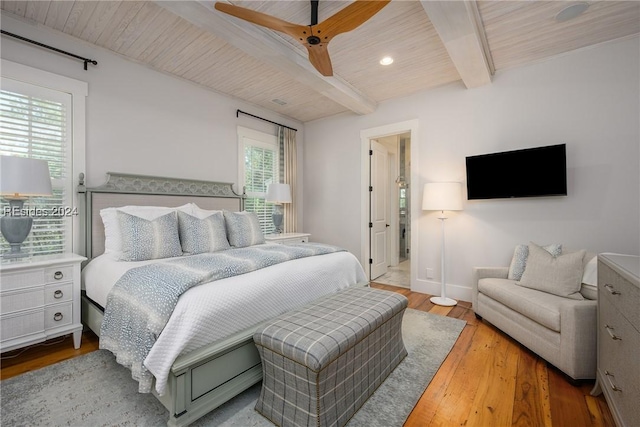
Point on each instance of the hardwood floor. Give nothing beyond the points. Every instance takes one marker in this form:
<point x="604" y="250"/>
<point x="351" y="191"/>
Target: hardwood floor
<point x="488" y="379"/>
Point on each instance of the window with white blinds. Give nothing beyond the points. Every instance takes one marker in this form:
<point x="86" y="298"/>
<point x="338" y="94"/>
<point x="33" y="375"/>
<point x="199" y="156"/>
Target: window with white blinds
<point x="35" y="122"/>
<point x="259" y="167"/>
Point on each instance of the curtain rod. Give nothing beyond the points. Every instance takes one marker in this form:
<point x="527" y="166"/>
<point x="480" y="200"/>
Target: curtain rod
<point x="86" y="60"/>
<point x="260" y="118"/>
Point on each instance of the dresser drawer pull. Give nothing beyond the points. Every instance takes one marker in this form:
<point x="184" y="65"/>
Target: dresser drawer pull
<point x="611" y="334"/>
<point x="611" y="384"/>
<point x="58" y="294"/>
<point x="611" y="290"/>
<point x="58" y="316"/>
<point x="58" y="275"/>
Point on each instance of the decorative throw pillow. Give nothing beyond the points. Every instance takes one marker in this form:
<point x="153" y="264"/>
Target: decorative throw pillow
<point x="561" y="275"/>
<point x="112" y="232"/>
<point x="202" y="235"/>
<point x="519" y="260"/>
<point x="144" y="239"/>
<point x="243" y="229"/>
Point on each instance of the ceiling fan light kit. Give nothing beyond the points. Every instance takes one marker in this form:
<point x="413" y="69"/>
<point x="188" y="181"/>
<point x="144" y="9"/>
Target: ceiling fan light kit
<point x="316" y="36"/>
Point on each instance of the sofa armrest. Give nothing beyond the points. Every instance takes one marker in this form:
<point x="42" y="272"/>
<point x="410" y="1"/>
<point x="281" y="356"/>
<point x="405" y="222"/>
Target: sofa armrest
<point x="578" y="337"/>
<point x="484" y="273"/>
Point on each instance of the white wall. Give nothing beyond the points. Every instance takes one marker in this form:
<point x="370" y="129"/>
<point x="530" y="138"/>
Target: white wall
<point x="588" y="99"/>
<point x="143" y="121"/>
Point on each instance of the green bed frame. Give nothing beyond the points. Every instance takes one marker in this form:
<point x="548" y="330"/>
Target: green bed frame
<point x="203" y="379"/>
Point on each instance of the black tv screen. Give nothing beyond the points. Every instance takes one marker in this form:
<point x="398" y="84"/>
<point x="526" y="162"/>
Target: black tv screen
<point x="532" y="172"/>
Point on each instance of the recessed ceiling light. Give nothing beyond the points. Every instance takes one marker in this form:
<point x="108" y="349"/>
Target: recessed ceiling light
<point x="571" y="12"/>
<point x="387" y="60"/>
<point x="279" y="101"/>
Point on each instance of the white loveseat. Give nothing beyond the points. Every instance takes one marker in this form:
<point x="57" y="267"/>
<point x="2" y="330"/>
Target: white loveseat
<point x="558" y="329"/>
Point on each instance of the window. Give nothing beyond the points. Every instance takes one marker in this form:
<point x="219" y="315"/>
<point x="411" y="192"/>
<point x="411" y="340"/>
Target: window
<point x="258" y="154"/>
<point x="45" y="123"/>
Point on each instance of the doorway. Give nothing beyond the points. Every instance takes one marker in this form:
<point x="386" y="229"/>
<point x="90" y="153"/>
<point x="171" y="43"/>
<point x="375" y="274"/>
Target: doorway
<point x="386" y="203"/>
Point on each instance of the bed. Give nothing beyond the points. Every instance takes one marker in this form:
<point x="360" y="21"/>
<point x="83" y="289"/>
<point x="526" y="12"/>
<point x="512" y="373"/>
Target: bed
<point x="214" y="357"/>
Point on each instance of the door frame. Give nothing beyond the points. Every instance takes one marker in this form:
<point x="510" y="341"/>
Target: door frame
<point x="410" y="126"/>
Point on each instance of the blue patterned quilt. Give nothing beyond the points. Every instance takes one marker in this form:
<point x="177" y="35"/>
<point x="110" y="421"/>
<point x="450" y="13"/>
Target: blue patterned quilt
<point x="141" y="302"/>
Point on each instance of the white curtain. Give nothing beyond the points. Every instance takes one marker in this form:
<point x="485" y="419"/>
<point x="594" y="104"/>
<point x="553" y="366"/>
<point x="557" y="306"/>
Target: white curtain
<point x="288" y="174"/>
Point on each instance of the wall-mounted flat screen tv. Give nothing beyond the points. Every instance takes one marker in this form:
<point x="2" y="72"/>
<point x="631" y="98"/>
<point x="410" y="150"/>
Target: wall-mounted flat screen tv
<point x="532" y="172"/>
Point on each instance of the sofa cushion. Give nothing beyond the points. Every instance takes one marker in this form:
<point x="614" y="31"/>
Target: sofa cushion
<point x="519" y="260"/>
<point x="561" y="275"/>
<point x="540" y="307"/>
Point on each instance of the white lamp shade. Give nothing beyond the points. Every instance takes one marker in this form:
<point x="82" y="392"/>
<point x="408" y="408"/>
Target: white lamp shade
<point x="278" y="193"/>
<point x="442" y="196"/>
<point x="24" y="177"/>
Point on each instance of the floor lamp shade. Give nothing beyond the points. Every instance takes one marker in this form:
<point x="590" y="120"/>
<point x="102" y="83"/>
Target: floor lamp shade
<point x="442" y="196"/>
<point x="21" y="178"/>
<point x="278" y="194"/>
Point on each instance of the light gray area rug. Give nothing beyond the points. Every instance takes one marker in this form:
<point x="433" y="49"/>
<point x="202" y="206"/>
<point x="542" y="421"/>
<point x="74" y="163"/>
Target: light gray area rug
<point x="93" y="390"/>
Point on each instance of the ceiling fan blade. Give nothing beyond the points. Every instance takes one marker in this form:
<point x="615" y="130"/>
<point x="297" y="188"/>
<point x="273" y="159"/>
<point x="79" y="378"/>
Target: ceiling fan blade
<point x="319" y="58"/>
<point x="294" y="30"/>
<point x="349" y="18"/>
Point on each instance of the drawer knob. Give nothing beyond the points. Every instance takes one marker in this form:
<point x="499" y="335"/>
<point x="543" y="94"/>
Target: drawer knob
<point x="58" y="294"/>
<point x="58" y="316"/>
<point x="611" y="334"/>
<point x="611" y="384"/>
<point x="58" y="275"/>
<point x="611" y="290"/>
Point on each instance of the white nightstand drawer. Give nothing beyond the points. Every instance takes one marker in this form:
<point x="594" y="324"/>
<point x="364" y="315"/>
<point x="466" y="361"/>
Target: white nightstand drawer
<point x="62" y="273"/>
<point x="57" y="293"/>
<point x="22" y="279"/>
<point x="58" y="315"/>
<point x="19" y="300"/>
<point x="23" y="324"/>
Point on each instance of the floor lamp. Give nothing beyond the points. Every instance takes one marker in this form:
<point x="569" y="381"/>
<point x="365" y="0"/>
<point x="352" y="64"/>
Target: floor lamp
<point x="442" y="196"/>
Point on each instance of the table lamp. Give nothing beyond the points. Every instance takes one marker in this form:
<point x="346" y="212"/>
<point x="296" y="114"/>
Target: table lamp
<point x="278" y="194"/>
<point x="20" y="178"/>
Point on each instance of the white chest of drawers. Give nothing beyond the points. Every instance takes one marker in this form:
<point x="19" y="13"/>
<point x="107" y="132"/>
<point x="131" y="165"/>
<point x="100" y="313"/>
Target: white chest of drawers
<point x="618" y="374"/>
<point x="39" y="300"/>
<point x="284" y="238"/>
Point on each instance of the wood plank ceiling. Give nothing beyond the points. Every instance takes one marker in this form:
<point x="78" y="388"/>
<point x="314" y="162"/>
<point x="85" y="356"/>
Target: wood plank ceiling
<point x="517" y="33"/>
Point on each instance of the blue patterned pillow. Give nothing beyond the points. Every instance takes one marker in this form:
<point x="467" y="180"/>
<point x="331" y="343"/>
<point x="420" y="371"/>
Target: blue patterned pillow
<point x="243" y="229"/>
<point x="199" y="235"/>
<point x="144" y="239"/>
<point x="520" y="255"/>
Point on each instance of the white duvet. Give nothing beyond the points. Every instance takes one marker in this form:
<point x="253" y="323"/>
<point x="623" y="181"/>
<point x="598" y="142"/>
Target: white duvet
<point x="210" y="312"/>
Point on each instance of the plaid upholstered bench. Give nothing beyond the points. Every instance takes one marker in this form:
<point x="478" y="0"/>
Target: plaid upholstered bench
<point x="322" y="362"/>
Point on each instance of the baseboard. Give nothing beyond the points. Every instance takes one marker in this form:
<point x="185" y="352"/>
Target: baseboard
<point x="457" y="292"/>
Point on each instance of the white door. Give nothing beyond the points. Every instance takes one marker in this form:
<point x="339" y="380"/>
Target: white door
<point x="379" y="187"/>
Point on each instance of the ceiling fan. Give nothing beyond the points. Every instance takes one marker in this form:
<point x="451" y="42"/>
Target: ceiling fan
<point x="316" y="36"/>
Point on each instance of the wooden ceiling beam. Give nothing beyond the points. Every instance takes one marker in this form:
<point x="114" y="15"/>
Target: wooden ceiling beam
<point x="269" y="48"/>
<point x="459" y="26"/>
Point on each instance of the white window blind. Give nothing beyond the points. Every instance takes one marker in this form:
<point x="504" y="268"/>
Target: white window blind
<point x="35" y="122"/>
<point x="259" y="168"/>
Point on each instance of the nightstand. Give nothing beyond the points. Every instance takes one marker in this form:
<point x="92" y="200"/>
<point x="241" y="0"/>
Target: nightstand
<point x="40" y="299"/>
<point x="283" y="238"/>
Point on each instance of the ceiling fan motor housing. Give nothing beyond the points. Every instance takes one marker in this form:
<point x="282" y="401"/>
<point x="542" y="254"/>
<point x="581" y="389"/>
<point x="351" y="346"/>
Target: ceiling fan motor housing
<point x="313" y="40"/>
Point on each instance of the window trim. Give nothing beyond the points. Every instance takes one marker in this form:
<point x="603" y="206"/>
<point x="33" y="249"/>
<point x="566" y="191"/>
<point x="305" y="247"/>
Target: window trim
<point x="79" y="91"/>
<point x="265" y="140"/>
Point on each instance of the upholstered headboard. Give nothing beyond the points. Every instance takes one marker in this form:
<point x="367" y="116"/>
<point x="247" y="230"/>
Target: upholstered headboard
<point x="140" y="190"/>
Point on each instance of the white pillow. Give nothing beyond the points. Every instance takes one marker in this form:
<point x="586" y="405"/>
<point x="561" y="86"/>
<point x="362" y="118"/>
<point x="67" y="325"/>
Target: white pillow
<point x="200" y="213"/>
<point x="112" y="233"/>
<point x="519" y="260"/>
<point x="590" y="275"/>
<point x="559" y="275"/>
